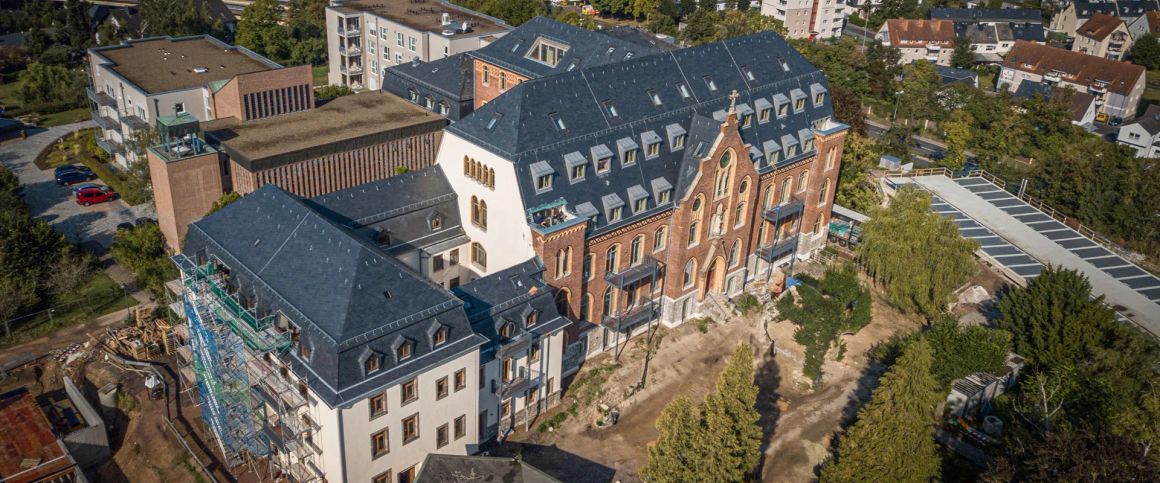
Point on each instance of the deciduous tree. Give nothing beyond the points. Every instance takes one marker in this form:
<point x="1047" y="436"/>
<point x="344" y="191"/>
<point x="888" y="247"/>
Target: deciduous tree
<point x="824" y="309"/>
<point x="1090" y="455"/>
<point x="962" y="57"/>
<point x="259" y="29"/>
<point x="857" y="190"/>
<point x="892" y="440"/>
<point x="958" y="136"/>
<point x="1146" y="51"/>
<point x="963" y="350"/>
<point x="917" y="256"/>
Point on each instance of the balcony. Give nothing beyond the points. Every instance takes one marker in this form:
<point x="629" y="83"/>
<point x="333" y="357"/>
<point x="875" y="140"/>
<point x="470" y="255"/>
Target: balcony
<point x="107" y="145"/>
<point x="348" y="32"/>
<point x="634" y="316"/>
<point x="100" y="98"/>
<point x="646" y="269"/>
<point x="1098" y="88"/>
<point x="353" y="50"/>
<point x="779" y="250"/>
<point x="552" y="217"/>
<point x="517" y="386"/>
<point x="785" y="211"/>
<point x="134" y="122"/>
<point x="1052" y="76"/>
<point x="106" y="123"/>
<point x="353" y="69"/>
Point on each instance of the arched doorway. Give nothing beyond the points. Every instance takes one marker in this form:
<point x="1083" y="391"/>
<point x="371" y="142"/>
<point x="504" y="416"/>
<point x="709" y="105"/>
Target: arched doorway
<point x="715" y="276"/>
<point x="564" y="303"/>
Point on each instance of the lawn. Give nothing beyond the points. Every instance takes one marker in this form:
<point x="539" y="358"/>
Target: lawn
<point x="987" y="80"/>
<point x="101" y="295"/>
<point x="320" y="74"/>
<point x="1152" y="86"/>
<point x="10" y="99"/>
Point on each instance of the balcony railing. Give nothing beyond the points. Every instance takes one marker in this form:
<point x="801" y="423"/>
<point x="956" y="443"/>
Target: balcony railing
<point x="779" y="250"/>
<point x="353" y="69"/>
<point x="348" y="32"/>
<point x="634" y="316"/>
<point x="106" y="145"/>
<point x="106" y="123"/>
<point x="352" y="50"/>
<point x="100" y="98"/>
<point x="644" y="270"/>
<point x="134" y="122"/>
<point x="794" y="207"/>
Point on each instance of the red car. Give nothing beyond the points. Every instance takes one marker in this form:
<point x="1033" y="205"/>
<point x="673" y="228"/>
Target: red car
<point x="96" y="194"/>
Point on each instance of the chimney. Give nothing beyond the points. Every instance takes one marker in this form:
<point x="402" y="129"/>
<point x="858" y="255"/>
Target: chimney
<point x="445" y="19"/>
<point x="415" y="61"/>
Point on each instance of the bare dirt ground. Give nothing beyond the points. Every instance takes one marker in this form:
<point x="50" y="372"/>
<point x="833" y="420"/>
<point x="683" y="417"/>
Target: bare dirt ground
<point x="799" y="421"/>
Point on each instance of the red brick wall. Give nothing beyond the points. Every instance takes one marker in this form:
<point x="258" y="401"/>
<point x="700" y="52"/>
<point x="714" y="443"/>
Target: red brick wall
<point x="492" y="89"/>
<point x="183" y="191"/>
<point x="229" y="100"/>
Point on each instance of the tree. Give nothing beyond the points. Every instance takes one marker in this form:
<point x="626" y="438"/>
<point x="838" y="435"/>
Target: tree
<point x="1146" y="51"/>
<point x="35" y="42"/>
<point x="958" y="136"/>
<point x="731" y="422"/>
<point x="677" y="455"/>
<point x="307" y="19"/>
<point x="515" y="12"/>
<point x="142" y="250"/>
<point x="55" y="85"/>
<point x="223" y="202"/>
<point x="857" y="189"/>
<point x="700" y="27"/>
<point x="78" y="27"/>
<point x="1090" y="455"/>
<point x="1055" y="320"/>
<point x="738" y="23"/>
<point x="892" y="440"/>
<point x="962" y="57"/>
<point x="828" y="307"/>
<point x="917" y="256"/>
<point x="176" y="18"/>
<point x="960" y="351"/>
<point x="259" y="29"/>
<point x="848" y="109"/>
<point x="920" y="84"/>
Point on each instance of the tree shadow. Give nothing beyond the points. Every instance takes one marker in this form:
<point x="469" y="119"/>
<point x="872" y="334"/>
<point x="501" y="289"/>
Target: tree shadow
<point x="768" y="378"/>
<point x="554" y="461"/>
<point x="867" y="382"/>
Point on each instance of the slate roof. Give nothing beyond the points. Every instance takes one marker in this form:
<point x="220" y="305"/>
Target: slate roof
<point x="1150" y="120"/>
<point x="524" y="133"/>
<point x="1084" y="10"/>
<point x="447" y="81"/>
<point x="585" y="48"/>
<point x="404" y="206"/>
<point x="350" y="299"/>
<point x="442" y="468"/>
<point x="1127" y="9"/>
<point x="1077" y="68"/>
<point x="1078" y="102"/>
<point x="508" y="296"/>
<point x="988" y="14"/>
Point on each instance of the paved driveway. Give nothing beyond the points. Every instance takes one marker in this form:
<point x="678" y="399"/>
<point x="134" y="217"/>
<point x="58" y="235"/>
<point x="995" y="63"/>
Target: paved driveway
<point x="55" y="204"/>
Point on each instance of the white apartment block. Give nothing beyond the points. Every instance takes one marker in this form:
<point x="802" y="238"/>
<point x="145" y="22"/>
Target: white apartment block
<point x="364" y="37"/>
<point x="820" y="19"/>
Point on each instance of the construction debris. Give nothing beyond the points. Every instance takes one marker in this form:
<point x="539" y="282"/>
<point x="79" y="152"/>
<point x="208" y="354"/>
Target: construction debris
<point x="149" y="338"/>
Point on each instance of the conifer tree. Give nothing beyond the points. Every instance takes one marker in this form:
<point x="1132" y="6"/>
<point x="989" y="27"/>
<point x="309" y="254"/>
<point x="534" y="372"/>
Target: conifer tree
<point x="892" y="439"/>
<point x="1055" y="319"/>
<point x="730" y="416"/>
<point x="677" y="455"/>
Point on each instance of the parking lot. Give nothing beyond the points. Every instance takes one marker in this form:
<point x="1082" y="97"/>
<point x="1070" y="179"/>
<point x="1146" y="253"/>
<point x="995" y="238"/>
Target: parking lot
<point x="93" y="225"/>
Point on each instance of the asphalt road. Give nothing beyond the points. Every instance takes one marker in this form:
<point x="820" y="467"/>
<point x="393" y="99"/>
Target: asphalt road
<point x="55" y="204"/>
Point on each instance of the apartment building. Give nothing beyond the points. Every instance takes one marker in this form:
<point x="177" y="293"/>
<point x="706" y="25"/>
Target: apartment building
<point x="1147" y="24"/>
<point x="1143" y="135"/>
<point x="364" y="37"/>
<point x="541" y="47"/>
<point x="349" y="365"/>
<point x="1074" y="14"/>
<point x="1103" y="36"/>
<point x="1116" y="86"/>
<point x="808" y="19"/>
<point x="133" y="84"/>
<point x="993" y="31"/>
<point x="346" y="142"/>
<point x="920" y="39"/>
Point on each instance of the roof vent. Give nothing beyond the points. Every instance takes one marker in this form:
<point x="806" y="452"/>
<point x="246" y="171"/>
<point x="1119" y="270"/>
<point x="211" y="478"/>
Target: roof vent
<point x="200" y="70"/>
<point x="445" y="19"/>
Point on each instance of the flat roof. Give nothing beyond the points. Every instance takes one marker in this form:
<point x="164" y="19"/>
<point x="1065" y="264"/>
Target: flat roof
<point x="29" y="451"/>
<point x="425" y="15"/>
<point x="163" y="64"/>
<point x="1023" y="240"/>
<point x="365" y="118"/>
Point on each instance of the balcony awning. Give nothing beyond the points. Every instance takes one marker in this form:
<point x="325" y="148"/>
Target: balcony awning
<point x="783" y="211"/>
<point x="634" y="317"/>
<point x="644" y="270"/>
<point x="517" y="387"/>
<point x="135" y="123"/>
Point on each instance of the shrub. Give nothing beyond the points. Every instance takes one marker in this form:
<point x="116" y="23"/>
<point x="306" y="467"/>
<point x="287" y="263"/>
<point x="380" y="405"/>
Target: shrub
<point x="326" y="93"/>
<point x="747" y="303"/>
<point x="553" y="422"/>
<point x="703" y="324"/>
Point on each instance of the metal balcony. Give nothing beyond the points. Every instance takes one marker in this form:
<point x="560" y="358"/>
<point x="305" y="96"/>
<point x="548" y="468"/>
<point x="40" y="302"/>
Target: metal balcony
<point x="348" y="32"/>
<point x="644" y="270"/>
<point x="107" y="145"/>
<point x="632" y="317"/>
<point x="100" y="98"/>
<point x="106" y="123"/>
<point x="779" y="250"/>
<point x="135" y="122"/>
<point x="353" y="69"/>
<point x="353" y="50"/>
<point x="793" y="208"/>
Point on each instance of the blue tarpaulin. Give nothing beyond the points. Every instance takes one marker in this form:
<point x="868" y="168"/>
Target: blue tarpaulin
<point x="792" y="282"/>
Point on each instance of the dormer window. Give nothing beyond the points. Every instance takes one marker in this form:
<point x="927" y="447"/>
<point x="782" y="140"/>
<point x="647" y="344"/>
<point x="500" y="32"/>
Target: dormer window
<point x="684" y="90"/>
<point x="603" y="165"/>
<point x="435" y="221"/>
<point x="544" y="182"/>
<point x="654" y="149"/>
<point x="546" y="52"/>
<point x="372" y="364"/>
<point x="405" y="351"/>
<point x="616" y="214"/>
<point x="611" y="108"/>
<point x="506" y="330"/>
<point x="414" y="95"/>
<point x="440" y="336"/>
<point x="542" y="173"/>
<point x="531" y="319"/>
<point x="602" y="157"/>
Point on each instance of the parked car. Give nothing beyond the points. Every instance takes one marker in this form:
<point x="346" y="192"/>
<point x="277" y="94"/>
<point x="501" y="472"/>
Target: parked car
<point x="89" y="196"/>
<point x="65" y="178"/>
<point x="78" y="187"/>
<point x="71" y="167"/>
<point x="1116" y="121"/>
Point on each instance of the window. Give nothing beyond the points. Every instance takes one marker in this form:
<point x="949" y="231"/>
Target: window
<point x="404" y="351"/>
<point x="603" y="165"/>
<point x="441" y="438"/>
<point x="411" y="428"/>
<point x="506" y="369"/>
<point x="817" y="224"/>
<point x="744" y="186"/>
<point x="611" y="108"/>
<point x="822" y="195"/>
<point x="378" y="405"/>
<point x="710" y="84"/>
<point x="399" y="38"/>
<point x="735" y="253"/>
<point x="372" y="364"/>
<point x="739" y="214"/>
<point x="437" y="263"/>
<point x="578" y="172"/>
<point x="398" y="58"/>
<point x="589" y="261"/>
<point x="799" y="104"/>
<point x="609" y="302"/>
<point x="564" y="262"/>
<point x="441" y="388"/>
<point x="629" y="156"/>
<point x="830" y="155"/>
<point x="679" y="141"/>
<point x="505" y="409"/>
<point x="586" y="307"/>
<point x="690" y="273"/>
<point x="453" y="257"/>
<point x="548" y="53"/>
<point x="407" y="475"/>
<point x="379" y="444"/>
<point x="534" y="352"/>
<point x="802" y="180"/>
<point x="640" y="205"/>
<point x="460" y="379"/>
<point x="502" y="81"/>
<point x="555" y="117"/>
<point x="486" y="74"/>
<point x="636" y="251"/>
<point x="531" y="319"/>
<point x="654" y="97"/>
<point x="665" y="196"/>
<point x="409" y="391"/>
<point x="479" y="212"/>
<point x="694" y="232"/>
<point x="612" y="259"/>
<point x="544" y="182"/>
<point x="506" y="331"/>
<point x="660" y="238"/>
<point x="460" y="427"/>
<point x="654" y="149"/>
<point x="179" y="108"/>
<point x="782" y="110"/>
<point x="684" y="90"/>
<point x="791" y="151"/>
<point x="786" y="187"/>
<point x="819" y="98"/>
<point x="383" y="33"/>
<point x="411" y="43"/>
<point x="384" y="477"/>
<point x="479" y="255"/>
<point x="764" y="115"/>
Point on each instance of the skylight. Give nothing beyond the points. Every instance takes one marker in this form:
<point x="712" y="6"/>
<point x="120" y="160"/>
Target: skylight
<point x="684" y="90"/>
<point x="492" y="122"/>
<point x="709" y="82"/>
<point x="749" y="74"/>
<point x="608" y="105"/>
<point x="656" y="98"/>
<point x="556" y="121"/>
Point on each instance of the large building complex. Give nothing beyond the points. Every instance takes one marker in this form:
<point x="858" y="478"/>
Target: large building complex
<point x="133" y="84"/>
<point x="363" y="37"/>
<point x="810" y="19"/>
<point x="1117" y="86"/>
<point x="348" y="335"/>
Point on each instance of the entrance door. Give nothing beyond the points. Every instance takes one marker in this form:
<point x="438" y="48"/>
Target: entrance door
<point x="715" y="276"/>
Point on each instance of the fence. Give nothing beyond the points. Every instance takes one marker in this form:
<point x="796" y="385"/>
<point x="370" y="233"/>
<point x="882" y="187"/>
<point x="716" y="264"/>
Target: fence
<point x="91" y="302"/>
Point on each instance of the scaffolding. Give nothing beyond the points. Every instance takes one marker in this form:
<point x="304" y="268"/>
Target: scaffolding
<point x="251" y="407"/>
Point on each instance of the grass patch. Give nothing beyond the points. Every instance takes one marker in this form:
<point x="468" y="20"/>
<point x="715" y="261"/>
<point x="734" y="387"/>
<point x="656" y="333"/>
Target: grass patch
<point x="127" y="403"/>
<point x="65" y="117"/>
<point x="99" y="296"/>
<point x="552" y="423"/>
<point x="320" y="74"/>
<point x="703" y="324"/>
<point x="590" y="387"/>
<point x="1152" y="86"/>
<point x="14" y="106"/>
<point x="987" y="80"/>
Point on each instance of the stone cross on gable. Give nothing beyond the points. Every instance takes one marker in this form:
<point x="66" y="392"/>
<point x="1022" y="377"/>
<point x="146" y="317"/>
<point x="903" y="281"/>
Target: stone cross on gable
<point x="733" y="101"/>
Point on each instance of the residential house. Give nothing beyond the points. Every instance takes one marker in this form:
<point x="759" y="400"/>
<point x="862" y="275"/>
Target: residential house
<point x="929" y="40"/>
<point x="365" y="37"/>
<point x="992" y="31"/>
<point x="1147" y="24"/>
<point x="1116" y="86"/>
<point x="1103" y="36"/>
<point x="808" y="19"/>
<point x="1143" y="135"/>
<point x="1075" y="13"/>
<point x="1081" y="105"/>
